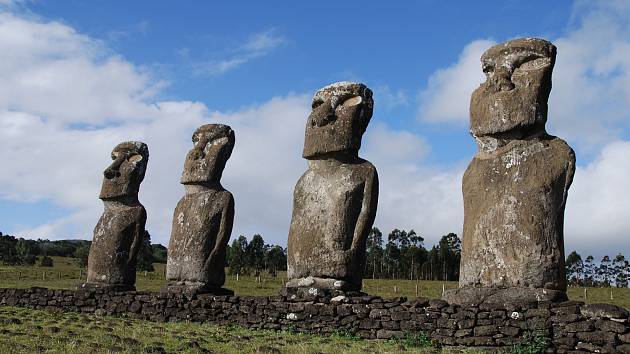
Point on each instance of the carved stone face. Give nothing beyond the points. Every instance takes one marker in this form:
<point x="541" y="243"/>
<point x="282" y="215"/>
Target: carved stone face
<point x="213" y="144"/>
<point x="340" y="115"/>
<point x="123" y="177"/>
<point x="518" y="82"/>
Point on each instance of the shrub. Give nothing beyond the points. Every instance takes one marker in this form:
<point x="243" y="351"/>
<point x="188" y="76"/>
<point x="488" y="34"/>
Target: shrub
<point x="46" y="262"/>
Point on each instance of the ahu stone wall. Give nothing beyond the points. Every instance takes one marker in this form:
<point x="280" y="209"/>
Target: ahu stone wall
<point x="567" y="326"/>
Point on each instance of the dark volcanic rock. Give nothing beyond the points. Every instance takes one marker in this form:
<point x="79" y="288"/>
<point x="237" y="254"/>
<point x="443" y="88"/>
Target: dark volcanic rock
<point x="516" y="186"/>
<point x="203" y="218"/>
<point x="120" y="230"/>
<point x="335" y="200"/>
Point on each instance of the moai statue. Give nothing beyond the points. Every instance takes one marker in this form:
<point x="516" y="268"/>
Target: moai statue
<point x="120" y="230"/>
<point x="202" y="221"/>
<point x="515" y="188"/>
<point x="334" y="202"/>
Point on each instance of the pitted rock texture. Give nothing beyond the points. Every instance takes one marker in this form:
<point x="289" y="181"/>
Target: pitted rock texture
<point x="566" y="327"/>
<point x="516" y="186"/>
<point x="118" y="233"/>
<point x="203" y="218"/>
<point x="335" y="200"/>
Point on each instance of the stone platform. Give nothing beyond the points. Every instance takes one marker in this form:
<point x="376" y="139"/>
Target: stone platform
<point x="567" y="326"/>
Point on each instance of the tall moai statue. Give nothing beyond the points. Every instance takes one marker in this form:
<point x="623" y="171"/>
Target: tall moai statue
<point x="120" y="230"/>
<point x="203" y="218"/>
<point x="334" y="202"/>
<point x="516" y="186"/>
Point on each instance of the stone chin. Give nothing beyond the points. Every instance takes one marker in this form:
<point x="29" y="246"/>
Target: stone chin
<point x="504" y="112"/>
<point x="112" y="190"/>
<point x="342" y="136"/>
<point x="316" y="154"/>
<point x="200" y="172"/>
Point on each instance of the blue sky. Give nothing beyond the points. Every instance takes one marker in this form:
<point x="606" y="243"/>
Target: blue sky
<point x="84" y="75"/>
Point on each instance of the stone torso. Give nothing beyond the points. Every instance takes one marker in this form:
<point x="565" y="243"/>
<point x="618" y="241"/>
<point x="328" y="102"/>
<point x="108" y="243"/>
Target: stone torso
<point x="114" y="236"/>
<point x="194" y="236"/>
<point x="514" y="200"/>
<point x="328" y="201"/>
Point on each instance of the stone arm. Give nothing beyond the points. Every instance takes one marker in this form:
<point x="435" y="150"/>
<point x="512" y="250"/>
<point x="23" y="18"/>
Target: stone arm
<point x="223" y="236"/>
<point x="368" y="211"/>
<point x="570" y="174"/>
<point x="138" y="236"/>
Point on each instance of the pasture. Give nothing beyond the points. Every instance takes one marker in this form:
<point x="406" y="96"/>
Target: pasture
<point x="65" y="274"/>
<point x="34" y="331"/>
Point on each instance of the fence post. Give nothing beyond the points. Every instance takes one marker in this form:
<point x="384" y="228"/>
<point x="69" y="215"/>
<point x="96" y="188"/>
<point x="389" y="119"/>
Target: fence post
<point x="416" y="290"/>
<point x="584" y="293"/>
<point x="443" y="288"/>
<point x="44" y="276"/>
<point x="236" y="277"/>
<point x="395" y="289"/>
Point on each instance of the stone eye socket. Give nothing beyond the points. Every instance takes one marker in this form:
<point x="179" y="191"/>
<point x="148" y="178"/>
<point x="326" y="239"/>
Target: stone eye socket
<point x="316" y="104"/>
<point x="487" y="69"/>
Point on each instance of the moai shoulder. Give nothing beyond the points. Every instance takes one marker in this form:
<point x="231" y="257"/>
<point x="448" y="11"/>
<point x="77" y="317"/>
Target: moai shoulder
<point x="335" y="200"/>
<point x="203" y="218"/>
<point x="119" y="232"/>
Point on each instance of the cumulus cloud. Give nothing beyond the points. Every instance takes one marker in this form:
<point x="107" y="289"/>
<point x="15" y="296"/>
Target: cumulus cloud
<point x="413" y="194"/>
<point x="66" y="100"/>
<point x="598" y="204"/>
<point x="447" y="95"/>
<point x="56" y="137"/>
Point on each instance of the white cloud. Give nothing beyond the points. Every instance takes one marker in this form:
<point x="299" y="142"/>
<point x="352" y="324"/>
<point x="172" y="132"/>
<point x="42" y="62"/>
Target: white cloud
<point x="447" y="95"/>
<point x="598" y="204"/>
<point x="46" y="61"/>
<point x="413" y="194"/>
<point x="590" y="99"/>
<point x="258" y="45"/>
<point x="65" y="101"/>
<point x="53" y="157"/>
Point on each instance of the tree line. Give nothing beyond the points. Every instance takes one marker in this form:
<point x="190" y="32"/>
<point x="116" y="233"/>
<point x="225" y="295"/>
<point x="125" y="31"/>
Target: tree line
<point x="20" y="251"/>
<point x="255" y="256"/>
<point x="403" y="256"/>
<point x="605" y="273"/>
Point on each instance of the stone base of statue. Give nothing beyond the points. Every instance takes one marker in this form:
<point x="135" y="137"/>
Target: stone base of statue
<point x="314" y="287"/>
<point x="511" y="297"/>
<point x="106" y="287"/>
<point x="195" y="288"/>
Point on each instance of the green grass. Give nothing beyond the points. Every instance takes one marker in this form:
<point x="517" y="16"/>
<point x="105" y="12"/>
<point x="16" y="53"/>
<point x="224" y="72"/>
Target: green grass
<point x="65" y="275"/>
<point x="31" y="331"/>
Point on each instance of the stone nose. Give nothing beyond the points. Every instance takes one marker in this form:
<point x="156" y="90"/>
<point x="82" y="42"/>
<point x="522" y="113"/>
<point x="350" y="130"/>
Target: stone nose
<point x="502" y="80"/>
<point x="113" y="170"/>
<point x="323" y="114"/>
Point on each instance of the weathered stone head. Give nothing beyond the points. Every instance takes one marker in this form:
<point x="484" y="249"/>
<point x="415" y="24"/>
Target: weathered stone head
<point x="124" y="175"/>
<point x="213" y="144"/>
<point x="513" y="100"/>
<point x="341" y="113"/>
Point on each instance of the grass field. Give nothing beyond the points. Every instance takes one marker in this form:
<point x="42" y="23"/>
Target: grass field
<point x="32" y="331"/>
<point x="66" y="275"/>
